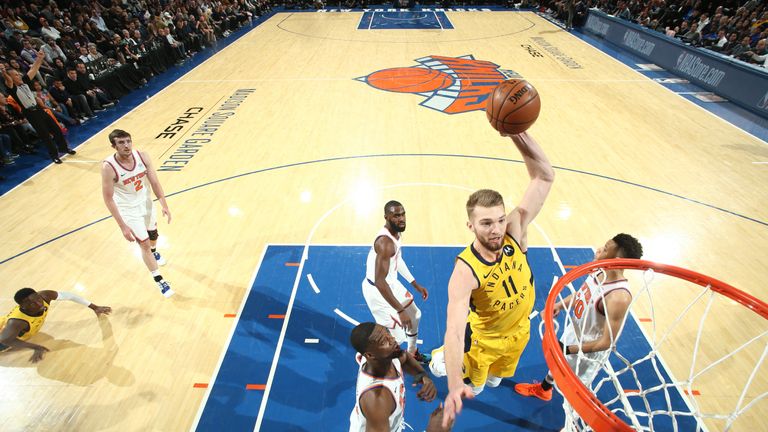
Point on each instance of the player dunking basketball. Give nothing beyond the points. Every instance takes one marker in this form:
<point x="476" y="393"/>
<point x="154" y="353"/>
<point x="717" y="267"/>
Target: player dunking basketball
<point x="125" y="180"/>
<point x="491" y="291"/>
<point x="389" y="301"/>
<point x="598" y="311"/>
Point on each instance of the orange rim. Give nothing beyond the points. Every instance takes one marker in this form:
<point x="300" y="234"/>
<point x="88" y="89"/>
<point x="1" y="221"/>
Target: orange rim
<point x="583" y="400"/>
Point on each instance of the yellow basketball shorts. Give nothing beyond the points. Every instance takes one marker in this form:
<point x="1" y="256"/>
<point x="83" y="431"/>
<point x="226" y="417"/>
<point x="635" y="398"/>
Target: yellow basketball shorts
<point x="497" y="355"/>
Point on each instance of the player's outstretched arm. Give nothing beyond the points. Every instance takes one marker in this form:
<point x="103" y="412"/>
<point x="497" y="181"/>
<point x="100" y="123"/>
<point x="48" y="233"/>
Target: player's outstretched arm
<point x="414" y="368"/>
<point x="157" y="188"/>
<point x="542" y="176"/>
<point x="49" y="296"/>
<point x="460" y="288"/>
<point x="377" y="405"/>
<point x="9" y="337"/>
<point x="107" y="193"/>
<point x="402" y="268"/>
<point x="615" y="306"/>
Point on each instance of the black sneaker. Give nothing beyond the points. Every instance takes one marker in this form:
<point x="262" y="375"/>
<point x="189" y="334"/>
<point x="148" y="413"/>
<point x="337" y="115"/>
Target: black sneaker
<point x="71" y="152"/>
<point x="56" y="160"/>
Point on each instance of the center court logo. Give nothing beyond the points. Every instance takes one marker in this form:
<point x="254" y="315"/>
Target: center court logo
<point x="450" y="84"/>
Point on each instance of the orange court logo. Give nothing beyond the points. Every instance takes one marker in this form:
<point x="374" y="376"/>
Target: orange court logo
<point x="450" y="84"/>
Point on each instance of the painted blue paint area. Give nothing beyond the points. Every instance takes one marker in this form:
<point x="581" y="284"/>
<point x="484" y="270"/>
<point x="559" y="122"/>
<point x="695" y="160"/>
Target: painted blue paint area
<point x="314" y="384"/>
<point x="730" y="112"/>
<point x="253" y="344"/>
<point x="403" y="20"/>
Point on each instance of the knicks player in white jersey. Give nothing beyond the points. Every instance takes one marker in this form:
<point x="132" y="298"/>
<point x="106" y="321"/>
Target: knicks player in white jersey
<point x="125" y="180"/>
<point x="597" y="311"/>
<point x="389" y="301"/>
<point x="380" y="391"/>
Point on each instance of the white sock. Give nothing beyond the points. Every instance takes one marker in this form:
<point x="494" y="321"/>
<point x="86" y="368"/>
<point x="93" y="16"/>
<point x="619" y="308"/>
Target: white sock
<point x="412" y="342"/>
<point x="155" y="273"/>
<point x="437" y="365"/>
<point x="493" y="381"/>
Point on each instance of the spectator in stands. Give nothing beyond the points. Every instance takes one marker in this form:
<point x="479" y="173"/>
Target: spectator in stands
<point x="174" y="46"/>
<point x="209" y="36"/>
<point x="87" y="82"/>
<point x="12" y="124"/>
<point x="59" y="68"/>
<point x="758" y="54"/>
<point x="29" y="54"/>
<point x="93" y="53"/>
<point x="18" y="86"/>
<point x="98" y="20"/>
<point x="740" y="48"/>
<point x="17" y="22"/>
<point x="76" y="87"/>
<point x="83" y="54"/>
<point x="7" y="156"/>
<point x="622" y="11"/>
<point x="47" y="31"/>
<point x="718" y="42"/>
<point x="59" y="111"/>
<point x="76" y="105"/>
<point x="53" y="51"/>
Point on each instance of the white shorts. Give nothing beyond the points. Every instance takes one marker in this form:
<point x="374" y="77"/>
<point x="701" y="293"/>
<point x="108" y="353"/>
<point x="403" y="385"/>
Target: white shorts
<point x="382" y="312"/>
<point x="588" y="366"/>
<point x="140" y="219"/>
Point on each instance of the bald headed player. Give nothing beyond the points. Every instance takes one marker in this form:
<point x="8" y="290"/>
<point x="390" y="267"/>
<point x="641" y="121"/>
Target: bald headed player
<point x="26" y="319"/>
<point x="391" y="304"/>
<point x="491" y="291"/>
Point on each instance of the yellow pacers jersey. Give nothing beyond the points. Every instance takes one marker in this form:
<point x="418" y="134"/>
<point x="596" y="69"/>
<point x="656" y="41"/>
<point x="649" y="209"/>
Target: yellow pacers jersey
<point x="506" y="291"/>
<point x="34" y="322"/>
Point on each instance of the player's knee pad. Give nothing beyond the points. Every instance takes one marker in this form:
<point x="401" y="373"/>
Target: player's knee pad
<point x="153" y="235"/>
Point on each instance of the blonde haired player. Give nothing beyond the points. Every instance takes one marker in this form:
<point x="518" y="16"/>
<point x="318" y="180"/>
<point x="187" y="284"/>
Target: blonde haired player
<point x="125" y="180"/>
<point x="597" y="315"/>
<point x="491" y="290"/>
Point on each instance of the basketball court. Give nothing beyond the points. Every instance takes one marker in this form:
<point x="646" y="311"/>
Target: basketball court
<point x="277" y="155"/>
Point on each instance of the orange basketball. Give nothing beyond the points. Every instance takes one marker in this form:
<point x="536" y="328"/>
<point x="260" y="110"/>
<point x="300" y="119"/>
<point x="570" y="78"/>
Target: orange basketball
<point x="410" y="80"/>
<point x="513" y="106"/>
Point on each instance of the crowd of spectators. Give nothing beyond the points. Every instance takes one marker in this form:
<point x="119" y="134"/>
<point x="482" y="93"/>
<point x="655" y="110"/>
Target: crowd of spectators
<point x="72" y="59"/>
<point x="738" y="29"/>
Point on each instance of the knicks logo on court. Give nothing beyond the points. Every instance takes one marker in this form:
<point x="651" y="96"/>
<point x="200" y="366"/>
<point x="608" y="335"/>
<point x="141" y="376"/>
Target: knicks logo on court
<point x="450" y="84"/>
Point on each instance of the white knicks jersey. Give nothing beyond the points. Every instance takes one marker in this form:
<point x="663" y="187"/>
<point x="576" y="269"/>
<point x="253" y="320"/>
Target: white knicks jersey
<point x="370" y="264"/>
<point x="132" y="185"/>
<point x="587" y="317"/>
<point x="366" y="382"/>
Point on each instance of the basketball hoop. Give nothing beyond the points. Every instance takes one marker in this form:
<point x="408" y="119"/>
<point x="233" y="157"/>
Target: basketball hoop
<point x="585" y="410"/>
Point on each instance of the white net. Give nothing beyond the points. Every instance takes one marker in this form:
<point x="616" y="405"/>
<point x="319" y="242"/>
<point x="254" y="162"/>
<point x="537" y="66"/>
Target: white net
<point x="694" y="363"/>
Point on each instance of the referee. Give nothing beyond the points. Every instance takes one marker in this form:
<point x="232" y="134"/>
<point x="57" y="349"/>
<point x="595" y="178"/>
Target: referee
<point x="19" y="87"/>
